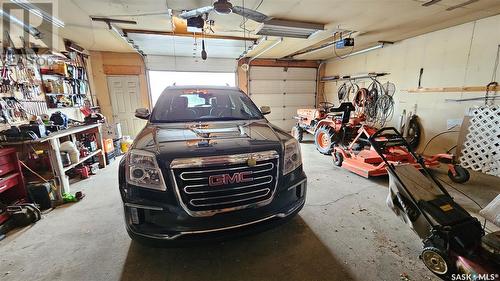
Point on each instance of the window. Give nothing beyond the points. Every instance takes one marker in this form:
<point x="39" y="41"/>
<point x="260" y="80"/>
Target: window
<point x="194" y="100"/>
<point x="159" y="80"/>
<point x="193" y="105"/>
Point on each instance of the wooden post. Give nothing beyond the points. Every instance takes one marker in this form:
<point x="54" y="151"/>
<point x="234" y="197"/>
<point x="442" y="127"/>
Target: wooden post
<point x="242" y="76"/>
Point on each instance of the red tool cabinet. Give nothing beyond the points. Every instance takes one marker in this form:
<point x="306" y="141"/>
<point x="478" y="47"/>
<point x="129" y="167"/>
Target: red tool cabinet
<point x="12" y="187"/>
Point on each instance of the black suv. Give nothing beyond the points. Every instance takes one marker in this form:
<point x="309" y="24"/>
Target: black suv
<point x="208" y="165"/>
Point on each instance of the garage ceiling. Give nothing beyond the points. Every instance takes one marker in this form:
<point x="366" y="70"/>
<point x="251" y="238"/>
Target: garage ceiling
<point x="381" y="20"/>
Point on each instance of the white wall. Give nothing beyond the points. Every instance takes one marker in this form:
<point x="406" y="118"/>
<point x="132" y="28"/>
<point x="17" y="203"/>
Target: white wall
<point x="454" y="57"/>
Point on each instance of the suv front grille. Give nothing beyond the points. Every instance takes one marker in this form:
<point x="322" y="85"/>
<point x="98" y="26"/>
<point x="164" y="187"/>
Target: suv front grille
<point x="209" y="185"/>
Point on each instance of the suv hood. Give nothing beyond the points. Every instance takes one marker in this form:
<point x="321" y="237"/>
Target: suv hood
<point x="180" y="140"/>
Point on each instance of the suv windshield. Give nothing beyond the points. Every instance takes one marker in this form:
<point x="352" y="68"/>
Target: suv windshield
<point x="183" y="105"/>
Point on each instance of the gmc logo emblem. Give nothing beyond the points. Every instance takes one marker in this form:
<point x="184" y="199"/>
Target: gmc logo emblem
<point x="224" y="179"/>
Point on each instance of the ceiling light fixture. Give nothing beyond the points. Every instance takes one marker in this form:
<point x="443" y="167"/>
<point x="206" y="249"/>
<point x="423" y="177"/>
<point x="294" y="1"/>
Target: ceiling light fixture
<point x="287" y="28"/>
<point x="28" y="28"/>
<point x="461" y="5"/>
<point x="362" y="51"/>
<point x="38" y="12"/>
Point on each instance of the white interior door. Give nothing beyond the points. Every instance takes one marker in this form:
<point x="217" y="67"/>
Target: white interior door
<point x="284" y="90"/>
<point x="125" y="99"/>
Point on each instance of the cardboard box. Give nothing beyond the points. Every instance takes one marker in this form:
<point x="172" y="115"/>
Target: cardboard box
<point x="112" y="131"/>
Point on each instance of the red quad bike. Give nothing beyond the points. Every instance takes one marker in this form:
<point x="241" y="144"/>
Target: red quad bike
<point x="328" y="124"/>
<point x="455" y="246"/>
<point x="359" y="157"/>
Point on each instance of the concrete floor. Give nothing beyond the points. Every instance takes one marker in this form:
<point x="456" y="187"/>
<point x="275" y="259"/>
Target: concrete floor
<point x="345" y="232"/>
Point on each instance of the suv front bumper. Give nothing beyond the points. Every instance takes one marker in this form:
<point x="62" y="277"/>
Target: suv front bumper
<point x="150" y="220"/>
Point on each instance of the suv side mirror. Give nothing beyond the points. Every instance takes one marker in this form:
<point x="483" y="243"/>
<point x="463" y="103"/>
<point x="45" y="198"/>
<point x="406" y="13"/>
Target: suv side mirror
<point x="265" y="110"/>
<point x="142" y="113"/>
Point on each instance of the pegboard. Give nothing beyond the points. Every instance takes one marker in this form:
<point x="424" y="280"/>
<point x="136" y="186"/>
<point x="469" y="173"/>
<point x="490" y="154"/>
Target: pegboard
<point x="481" y="149"/>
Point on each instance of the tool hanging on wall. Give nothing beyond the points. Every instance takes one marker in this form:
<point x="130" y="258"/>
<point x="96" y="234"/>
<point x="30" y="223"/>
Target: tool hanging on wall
<point x="203" y="51"/>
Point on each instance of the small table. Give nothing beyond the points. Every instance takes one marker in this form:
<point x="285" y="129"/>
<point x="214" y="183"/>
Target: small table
<point x="52" y="143"/>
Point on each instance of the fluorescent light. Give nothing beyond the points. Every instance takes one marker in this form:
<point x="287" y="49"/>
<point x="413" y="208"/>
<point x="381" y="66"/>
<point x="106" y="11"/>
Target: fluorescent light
<point x="30" y="29"/>
<point x="379" y="46"/>
<point x="287" y="28"/>
<point x="38" y="12"/>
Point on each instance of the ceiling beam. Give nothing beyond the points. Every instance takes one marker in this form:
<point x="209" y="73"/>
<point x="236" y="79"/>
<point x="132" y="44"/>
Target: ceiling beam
<point x="170" y="33"/>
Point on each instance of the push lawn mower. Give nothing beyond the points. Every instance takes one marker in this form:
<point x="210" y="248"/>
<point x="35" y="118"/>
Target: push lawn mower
<point x="359" y="156"/>
<point x="454" y="242"/>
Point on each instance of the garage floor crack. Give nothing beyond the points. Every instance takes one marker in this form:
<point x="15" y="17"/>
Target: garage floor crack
<point x="336" y="200"/>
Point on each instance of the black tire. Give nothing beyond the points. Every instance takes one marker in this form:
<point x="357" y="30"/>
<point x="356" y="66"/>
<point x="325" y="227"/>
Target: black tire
<point x="324" y="139"/>
<point x="437" y="262"/>
<point x="338" y="159"/>
<point x="462" y="175"/>
<point x="414" y="132"/>
<point x="298" y="133"/>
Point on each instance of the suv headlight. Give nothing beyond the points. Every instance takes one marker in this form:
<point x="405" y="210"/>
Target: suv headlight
<point x="292" y="158"/>
<point x="142" y="170"/>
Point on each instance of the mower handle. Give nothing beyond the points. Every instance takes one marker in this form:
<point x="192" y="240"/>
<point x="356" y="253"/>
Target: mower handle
<point x="388" y="137"/>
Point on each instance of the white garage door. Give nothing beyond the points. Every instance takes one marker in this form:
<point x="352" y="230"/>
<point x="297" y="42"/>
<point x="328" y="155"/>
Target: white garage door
<point x="284" y="90"/>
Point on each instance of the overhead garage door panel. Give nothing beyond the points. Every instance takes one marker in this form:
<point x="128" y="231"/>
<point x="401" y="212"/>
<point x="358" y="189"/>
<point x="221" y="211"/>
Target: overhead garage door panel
<point x="284" y="90"/>
<point x="263" y="99"/>
<point x="276" y="114"/>
<point x="280" y="73"/>
<point x="300" y="73"/>
<point x="303" y="100"/>
<point x="291" y="86"/>
<point x="267" y="73"/>
<point x="267" y="87"/>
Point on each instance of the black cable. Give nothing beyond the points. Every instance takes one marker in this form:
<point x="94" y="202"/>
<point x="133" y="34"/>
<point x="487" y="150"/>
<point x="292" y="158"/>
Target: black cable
<point x="451" y="148"/>
<point x="434" y="137"/>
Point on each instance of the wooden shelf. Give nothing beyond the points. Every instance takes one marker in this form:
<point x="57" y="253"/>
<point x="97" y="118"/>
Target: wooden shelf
<point x="60" y="76"/>
<point x="58" y="94"/>
<point x="466" y="89"/>
<point x="67" y="168"/>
